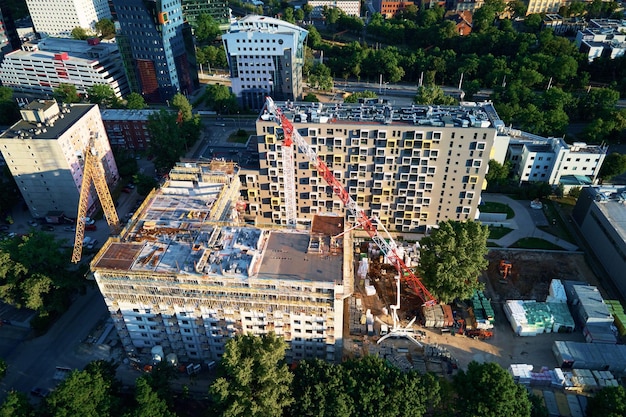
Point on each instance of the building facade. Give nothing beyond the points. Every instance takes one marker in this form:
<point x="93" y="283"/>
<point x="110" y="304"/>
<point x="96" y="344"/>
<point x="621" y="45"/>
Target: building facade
<point x="600" y="215"/>
<point x="603" y="37"/>
<point x="409" y="167"/>
<point x="59" y="18"/>
<point x="349" y="7"/>
<point x="128" y="129"/>
<point x="39" y="67"/>
<point x="389" y="8"/>
<point x="9" y="38"/>
<point x="157" y="48"/>
<point x="265" y="57"/>
<point x="217" y="9"/>
<point x="44" y="152"/>
<point x="177" y="280"/>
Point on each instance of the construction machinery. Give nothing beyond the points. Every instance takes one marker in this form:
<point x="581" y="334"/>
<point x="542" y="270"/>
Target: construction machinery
<point x="93" y="172"/>
<point x="505" y="268"/>
<point x="386" y="243"/>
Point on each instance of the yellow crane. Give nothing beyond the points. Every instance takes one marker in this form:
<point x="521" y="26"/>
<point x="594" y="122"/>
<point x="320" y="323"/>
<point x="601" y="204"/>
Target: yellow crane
<point x="93" y="172"/>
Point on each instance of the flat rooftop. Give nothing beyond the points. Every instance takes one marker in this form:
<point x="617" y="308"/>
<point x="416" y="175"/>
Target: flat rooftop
<point x="374" y="111"/>
<point x="31" y="130"/>
<point x="126" y="114"/>
<point x="612" y="203"/>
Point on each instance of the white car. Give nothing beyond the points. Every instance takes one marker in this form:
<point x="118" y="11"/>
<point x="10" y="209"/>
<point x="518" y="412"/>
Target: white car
<point x="89" y="220"/>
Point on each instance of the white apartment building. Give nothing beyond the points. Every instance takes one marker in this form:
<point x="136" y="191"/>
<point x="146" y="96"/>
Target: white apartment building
<point x="552" y="160"/>
<point x="265" y="57"/>
<point x="179" y="279"/>
<point x="410" y="167"/>
<point x="603" y="37"/>
<point x="349" y="7"/>
<point x="59" y="17"/>
<point x="40" y="67"/>
<point x="44" y="152"/>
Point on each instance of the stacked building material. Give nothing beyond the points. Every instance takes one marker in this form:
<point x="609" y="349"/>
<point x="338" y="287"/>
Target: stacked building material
<point x="556" y="292"/>
<point x="591" y="356"/>
<point x="617" y="311"/>
<point x="357" y="318"/>
<point x="483" y="311"/>
<point x="529" y="318"/>
<point x="521" y="372"/>
<point x="433" y="316"/>
<point x="600" y="333"/>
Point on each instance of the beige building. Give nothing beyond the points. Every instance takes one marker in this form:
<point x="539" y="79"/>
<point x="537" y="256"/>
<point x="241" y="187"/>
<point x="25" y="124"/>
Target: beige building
<point x="44" y="152"/>
<point x="185" y="275"/>
<point x="410" y="167"/>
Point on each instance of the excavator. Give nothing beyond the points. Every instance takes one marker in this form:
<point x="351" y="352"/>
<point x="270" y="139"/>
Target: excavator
<point x="505" y="269"/>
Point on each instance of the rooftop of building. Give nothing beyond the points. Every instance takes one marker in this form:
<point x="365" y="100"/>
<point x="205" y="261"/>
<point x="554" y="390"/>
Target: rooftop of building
<point x="77" y="50"/>
<point x="376" y="111"/>
<point x="616" y="24"/>
<point x="186" y="228"/>
<point x="611" y="200"/>
<point x="50" y="129"/>
<point x="256" y="23"/>
<point x="127" y="114"/>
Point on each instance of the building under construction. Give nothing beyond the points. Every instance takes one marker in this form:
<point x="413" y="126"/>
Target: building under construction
<point x="186" y="274"/>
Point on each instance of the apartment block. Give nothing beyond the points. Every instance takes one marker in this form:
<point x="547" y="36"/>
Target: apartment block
<point x="157" y="48"/>
<point x="9" y="38"/>
<point x="603" y="37"/>
<point x="128" y="129"/>
<point x="59" y="18"/>
<point x="45" y="152"/>
<point x="265" y="57"/>
<point x="185" y="275"/>
<point x="39" y="67"/>
<point x="349" y="7"/>
<point x="535" y="158"/>
<point x="410" y="167"/>
<point x="217" y="9"/>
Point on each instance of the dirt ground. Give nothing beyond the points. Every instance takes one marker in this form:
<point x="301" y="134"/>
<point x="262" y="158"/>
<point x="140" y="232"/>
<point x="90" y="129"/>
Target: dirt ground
<point x="530" y="277"/>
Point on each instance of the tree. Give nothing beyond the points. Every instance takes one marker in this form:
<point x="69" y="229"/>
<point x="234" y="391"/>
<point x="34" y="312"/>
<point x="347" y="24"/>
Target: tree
<point x="608" y="402"/>
<point x="354" y="97"/>
<point x="331" y="14"/>
<point x="16" y="404"/>
<point x="102" y="95"/>
<point x="320" y="77"/>
<point x="207" y="29"/>
<point x="254" y="379"/>
<point x="220" y="99"/>
<point x="299" y="15"/>
<point x="166" y="144"/>
<point x="148" y="402"/>
<point x="3" y="368"/>
<point x="106" y="27"/>
<point x="488" y="390"/>
<point x="311" y="98"/>
<point x="135" y="101"/>
<point x="288" y="15"/>
<point x="79" y="33"/>
<point x="498" y="173"/>
<point x="66" y="93"/>
<point x="452" y="258"/>
<point x="145" y="183"/>
<point x="9" y="110"/>
<point x="433" y="94"/>
<point x="83" y="393"/>
<point x="614" y="164"/>
<point x="181" y="103"/>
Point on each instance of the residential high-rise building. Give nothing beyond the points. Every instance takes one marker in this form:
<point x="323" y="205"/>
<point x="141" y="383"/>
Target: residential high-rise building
<point x="409" y="167"/>
<point x="157" y="48"/>
<point x="44" y="152"/>
<point x="9" y="39"/>
<point x="217" y="9"/>
<point x="349" y="7"/>
<point x="178" y="280"/>
<point x="39" y="67"/>
<point x="265" y="57"/>
<point x="59" y="18"/>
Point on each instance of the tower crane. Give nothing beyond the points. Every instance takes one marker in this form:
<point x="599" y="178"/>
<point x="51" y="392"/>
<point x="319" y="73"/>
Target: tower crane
<point x="386" y="244"/>
<point x="93" y="172"/>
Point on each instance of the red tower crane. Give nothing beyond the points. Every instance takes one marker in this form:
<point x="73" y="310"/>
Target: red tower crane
<point x="386" y="244"/>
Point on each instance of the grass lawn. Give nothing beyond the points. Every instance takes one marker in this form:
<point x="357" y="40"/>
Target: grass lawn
<point x="493" y="245"/>
<point x="493" y="207"/>
<point x="498" y="232"/>
<point x="240" y="136"/>
<point x="535" y="243"/>
<point x="557" y="225"/>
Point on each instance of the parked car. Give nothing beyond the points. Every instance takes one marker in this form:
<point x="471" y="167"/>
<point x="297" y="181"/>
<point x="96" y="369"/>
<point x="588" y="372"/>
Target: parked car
<point x="40" y="392"/>
<point x="69" y="228"/>
<point x="33" y="223"/>
<point x="127" y="190"/>
<point x="89" y="220"/>
<point x="47" y="228"/>
<point x="91" y="227"/>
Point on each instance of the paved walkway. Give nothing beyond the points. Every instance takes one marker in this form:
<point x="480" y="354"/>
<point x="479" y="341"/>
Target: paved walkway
<point x="523" y="224"/>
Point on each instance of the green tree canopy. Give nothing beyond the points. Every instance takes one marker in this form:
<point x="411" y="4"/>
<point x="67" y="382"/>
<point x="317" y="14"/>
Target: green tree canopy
<point x="102" y="95"/>
<point x="16" y="404"/>
<point x="207" y="29"/>
<point x="614" y="164"/>
<point x="3" y="368"/>
<point x="106" y="27"/>
<point x="354" y="97"/>
<point x="181" y="103"/>
<point x="220" y="99"/>
<point x="79" y="33"/>
<point x="135" y="101"/>
<point x="149" y="404"/>
<point x="320" y="77"/>
<point x="451" y="259"/>
<point x="66" y="93"/>
<point x="9" y="110"/>
<point x="433" y="94"/>
<point x="488" y="390"/>
<point x="254" y="379"/>
<point x="608" y="402"/>
<point x="166" y="143"/>
<point x="498" y="174"/>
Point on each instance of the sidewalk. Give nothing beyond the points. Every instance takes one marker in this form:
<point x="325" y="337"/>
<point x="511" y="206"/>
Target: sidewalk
<point x="523" y="224"/>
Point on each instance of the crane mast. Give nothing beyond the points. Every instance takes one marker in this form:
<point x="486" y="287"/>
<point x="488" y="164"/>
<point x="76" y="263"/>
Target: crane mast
<point x="386" y="244"/>
<point x="93" y="172"/>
